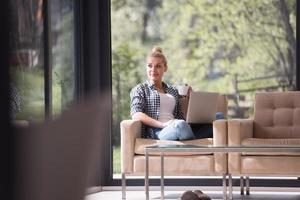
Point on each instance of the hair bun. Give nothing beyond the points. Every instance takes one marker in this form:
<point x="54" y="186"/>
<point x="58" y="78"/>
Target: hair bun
<point x="157" y="50"/>
<point x="158" y="53"/>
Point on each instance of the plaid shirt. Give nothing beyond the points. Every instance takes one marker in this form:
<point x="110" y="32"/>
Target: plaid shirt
<point x="146" y="99"/>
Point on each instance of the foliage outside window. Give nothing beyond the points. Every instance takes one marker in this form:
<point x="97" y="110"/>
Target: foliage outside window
<point x="26" y="58"/>
<point x="62" y="38"/>
<point x="232" y="47"/>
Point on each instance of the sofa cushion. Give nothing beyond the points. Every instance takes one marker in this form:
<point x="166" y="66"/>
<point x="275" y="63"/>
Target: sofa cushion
<point x="281" y="165"/>
<point x="270" y="142"/>
<point x="277" y="115"/>
<point x="142" y="143"/>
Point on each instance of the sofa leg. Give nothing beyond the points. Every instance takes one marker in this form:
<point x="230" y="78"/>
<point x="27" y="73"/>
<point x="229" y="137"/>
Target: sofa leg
<point x="242" y="185"/>
<point x="123" y="186"/>
<point x="247" y="185"/>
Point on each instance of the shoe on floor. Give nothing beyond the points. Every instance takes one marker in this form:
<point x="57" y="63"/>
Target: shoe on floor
<point x="189" y="195"/>
<point x="201" y="195"/>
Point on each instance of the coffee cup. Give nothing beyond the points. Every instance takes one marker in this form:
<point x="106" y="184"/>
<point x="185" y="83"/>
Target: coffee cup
<point x="183" y="89"/>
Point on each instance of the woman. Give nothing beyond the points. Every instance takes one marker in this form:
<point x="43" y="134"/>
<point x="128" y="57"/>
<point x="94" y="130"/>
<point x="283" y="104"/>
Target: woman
<point x="156" y="103"/>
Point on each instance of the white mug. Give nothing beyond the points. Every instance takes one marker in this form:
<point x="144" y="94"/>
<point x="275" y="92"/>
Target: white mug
<point x="183" y="89"/>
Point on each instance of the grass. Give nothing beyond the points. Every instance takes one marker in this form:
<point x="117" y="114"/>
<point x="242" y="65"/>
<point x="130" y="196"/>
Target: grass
<point x="116" y="160"/>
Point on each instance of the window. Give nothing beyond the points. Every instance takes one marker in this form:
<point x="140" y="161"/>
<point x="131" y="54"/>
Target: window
<point x="28" y="58"/>
<point x="62" y="40"/>
<point x="232" y="47"/>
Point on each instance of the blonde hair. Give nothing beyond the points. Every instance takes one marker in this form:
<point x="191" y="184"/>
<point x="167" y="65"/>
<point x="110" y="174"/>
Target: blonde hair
<point x="157" y="52"/>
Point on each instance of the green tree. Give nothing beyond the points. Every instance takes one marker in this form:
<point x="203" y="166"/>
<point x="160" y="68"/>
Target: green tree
<point x="62" y="61"/>
<point x="125" y="75"/>
<point x="213" y="40"/>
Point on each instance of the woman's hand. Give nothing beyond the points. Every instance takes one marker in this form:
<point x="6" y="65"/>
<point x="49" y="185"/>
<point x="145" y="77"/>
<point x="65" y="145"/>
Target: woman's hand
<point x="147" y="120"/>
<point x="168" y="123"/>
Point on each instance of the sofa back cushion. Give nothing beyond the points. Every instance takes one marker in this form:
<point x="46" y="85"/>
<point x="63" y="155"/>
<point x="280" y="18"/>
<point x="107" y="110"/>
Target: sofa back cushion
<point x="221" y="107"/>
<point x="277" y="115"/>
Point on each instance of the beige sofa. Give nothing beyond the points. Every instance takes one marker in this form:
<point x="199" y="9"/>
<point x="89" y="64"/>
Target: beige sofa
<point x="276" y="121"/>
<point x="133" y="151"/>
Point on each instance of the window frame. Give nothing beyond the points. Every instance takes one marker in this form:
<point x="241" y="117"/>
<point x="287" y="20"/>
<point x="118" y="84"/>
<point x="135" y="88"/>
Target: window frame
<point x="93" y="69"/>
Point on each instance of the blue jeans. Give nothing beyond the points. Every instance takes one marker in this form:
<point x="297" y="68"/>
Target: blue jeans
<point x="177" y="130"/>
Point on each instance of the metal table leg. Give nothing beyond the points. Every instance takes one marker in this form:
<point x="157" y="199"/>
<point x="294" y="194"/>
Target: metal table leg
<point x="242" y="185"/>
<point x="147" y="175"/>
<point x="224" y="187"/>
<point x="230" y="186"/>
<point x="247" y="185"/>
<point x="162" y="176"/>
<point x="123" y="186"/>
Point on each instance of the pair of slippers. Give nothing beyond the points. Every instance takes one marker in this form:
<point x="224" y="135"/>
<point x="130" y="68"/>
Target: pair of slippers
<point x="194" y="195"/>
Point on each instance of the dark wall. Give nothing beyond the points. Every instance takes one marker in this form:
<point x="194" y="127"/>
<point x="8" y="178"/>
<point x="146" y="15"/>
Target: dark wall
<point x="94" y="67"/>
<point x="6" y="144"/>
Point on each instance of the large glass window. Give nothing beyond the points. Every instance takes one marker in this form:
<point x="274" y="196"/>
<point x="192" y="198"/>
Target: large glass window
<point x="232" y="47"/>
<point x="62" y="41"/>
<point x="27" y="57"/>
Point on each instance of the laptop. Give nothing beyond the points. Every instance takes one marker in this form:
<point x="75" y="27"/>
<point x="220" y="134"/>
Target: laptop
<point x="202" y="107"/>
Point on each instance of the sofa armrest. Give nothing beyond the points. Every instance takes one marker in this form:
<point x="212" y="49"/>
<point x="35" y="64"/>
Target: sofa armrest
<point x="220" y="139"/>
<point x="130" y="130"/>
<point x="238" y="129"/>
<point x="220" y="132"/>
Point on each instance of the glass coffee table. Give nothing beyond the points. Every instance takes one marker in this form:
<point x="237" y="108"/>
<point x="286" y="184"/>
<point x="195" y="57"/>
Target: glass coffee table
<point x="165" y="148"/>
